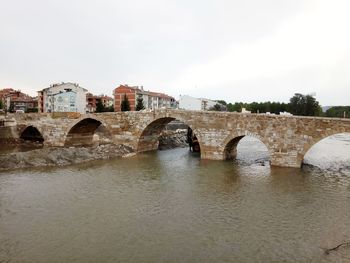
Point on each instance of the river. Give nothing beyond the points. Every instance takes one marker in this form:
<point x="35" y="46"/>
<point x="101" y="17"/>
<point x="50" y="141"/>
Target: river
<point x="171" y="206"/>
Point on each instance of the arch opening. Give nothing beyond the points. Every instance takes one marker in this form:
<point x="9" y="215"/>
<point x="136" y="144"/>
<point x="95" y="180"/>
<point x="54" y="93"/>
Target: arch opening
<point x="86" y="132"/>
<point x="166" y="133"/>
<point x="32" y="134"/>
<point x="330" y="153"/>
<point x="248" y="150"/>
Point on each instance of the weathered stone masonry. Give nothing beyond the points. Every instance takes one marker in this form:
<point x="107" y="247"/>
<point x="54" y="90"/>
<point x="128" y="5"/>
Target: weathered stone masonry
<point x="287" y="138"/>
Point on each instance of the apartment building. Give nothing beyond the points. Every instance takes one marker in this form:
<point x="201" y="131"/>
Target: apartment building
<point x="62" y="97"/>
<point x="151" y="100"/>
<point x="15" y="100"/>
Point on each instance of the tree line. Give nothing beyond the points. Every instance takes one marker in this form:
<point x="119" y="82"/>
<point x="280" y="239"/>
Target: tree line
<point x="299" y="104"/>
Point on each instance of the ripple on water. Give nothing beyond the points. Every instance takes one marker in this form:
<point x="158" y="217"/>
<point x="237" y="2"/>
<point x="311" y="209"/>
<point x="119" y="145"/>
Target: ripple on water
<point x="171" y="206"/>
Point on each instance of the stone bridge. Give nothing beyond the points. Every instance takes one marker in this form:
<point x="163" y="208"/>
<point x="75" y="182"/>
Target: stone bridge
<point x="287" y="138"/>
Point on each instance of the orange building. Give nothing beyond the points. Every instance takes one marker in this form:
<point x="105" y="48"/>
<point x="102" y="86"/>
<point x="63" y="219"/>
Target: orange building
<point x="151" y="100"/>
<point x="130" y="92"/>
<point x="14" y="100"/>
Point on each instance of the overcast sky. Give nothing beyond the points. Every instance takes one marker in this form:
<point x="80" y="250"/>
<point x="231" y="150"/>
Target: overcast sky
<point x="251" y="50"/>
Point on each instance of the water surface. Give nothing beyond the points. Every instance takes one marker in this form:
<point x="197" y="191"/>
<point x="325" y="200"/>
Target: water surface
<point x="170" y="206"/>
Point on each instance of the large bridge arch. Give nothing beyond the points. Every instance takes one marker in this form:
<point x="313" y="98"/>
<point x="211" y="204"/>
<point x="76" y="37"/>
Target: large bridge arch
<point x="148" y="139"/>
<point x="81" y="132"/>
<point x="314" y="141"/>
<point x="229" y="145"/>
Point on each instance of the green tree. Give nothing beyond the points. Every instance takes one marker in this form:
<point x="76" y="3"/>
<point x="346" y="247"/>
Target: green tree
<point x="110" y="108"/>
<point x="338" y="111"/>
<point x="304" y="105"/>
<point x="217" y="107"/>
<point x="222" y="102"/>
<point x="1" y="104"/>
<point x="99" y="106"/>
<point x="139" y="104"/>
<point x="235" y="107"/>
<point x="125" y="105"/>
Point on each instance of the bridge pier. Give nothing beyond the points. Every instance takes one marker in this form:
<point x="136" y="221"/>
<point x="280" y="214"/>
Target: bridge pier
<point x="211" y="153"/>
<point x="148" y="143"/>
<point x="286" y="159"/>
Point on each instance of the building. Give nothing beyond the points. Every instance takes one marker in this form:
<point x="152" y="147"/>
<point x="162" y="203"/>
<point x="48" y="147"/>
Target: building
<point x="93" y="100"/>
<point x="151" y="100"/>
<point x="15" y="100"/>
<point x="4" y="93"/>
<point x="62" y="97"/>
<point x="190" y="103"/>
<point x="160" y="100"/>
<point x="244" y="110"/>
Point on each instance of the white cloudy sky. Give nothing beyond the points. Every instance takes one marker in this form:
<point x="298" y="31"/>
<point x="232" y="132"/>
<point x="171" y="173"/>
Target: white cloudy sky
<point x="251" y="50"/>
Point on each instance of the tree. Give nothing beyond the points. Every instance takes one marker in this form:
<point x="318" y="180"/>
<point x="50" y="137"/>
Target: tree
<point x="110" y="108"/>
<point x="125" y="105"/>
<point x="99" y="106"/>
<point x="218" y="107"/>
<point x="304" y="105"/>
<point x="222" y="102"/>
<point x="1" y="104"/>
<point x="338" y="111"/>
<point x="139" y="104"/>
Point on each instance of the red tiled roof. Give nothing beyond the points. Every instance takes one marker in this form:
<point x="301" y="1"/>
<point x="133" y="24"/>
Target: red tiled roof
<point x="129" y="87"/>
<point x="160" y="95"/>
<point x="150" y="93"/>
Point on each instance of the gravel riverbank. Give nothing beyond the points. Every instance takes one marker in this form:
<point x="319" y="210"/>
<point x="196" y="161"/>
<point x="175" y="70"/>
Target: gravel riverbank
<point x="172" y="139"/>
<point x="62" y="156"/>
<point x="73" y="155"/>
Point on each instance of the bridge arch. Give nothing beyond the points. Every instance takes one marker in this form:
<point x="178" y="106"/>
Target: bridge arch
<point x="318" y="142"/>
<point x="81" y="132"/>
<point x="31" y="133"/>
<point x="149" y="137"/>
<point x="231" y="142"/>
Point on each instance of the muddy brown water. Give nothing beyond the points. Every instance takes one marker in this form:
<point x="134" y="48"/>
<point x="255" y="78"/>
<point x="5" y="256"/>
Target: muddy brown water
<point x="170" y="206"/>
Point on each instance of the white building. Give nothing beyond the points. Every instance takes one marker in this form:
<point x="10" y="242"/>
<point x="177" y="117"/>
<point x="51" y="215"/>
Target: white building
<point x="244" y="110"/>
<point x="191" y="103"/>
<point x="284" y="113"/>
<point x="63" y="97"/>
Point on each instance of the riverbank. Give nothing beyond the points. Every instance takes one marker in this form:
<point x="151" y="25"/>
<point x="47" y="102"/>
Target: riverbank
<point x="22" y="157"/>
<point x="62" y="156"/>
<point x="170" y="139"/>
